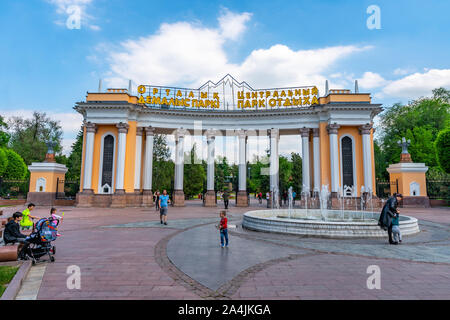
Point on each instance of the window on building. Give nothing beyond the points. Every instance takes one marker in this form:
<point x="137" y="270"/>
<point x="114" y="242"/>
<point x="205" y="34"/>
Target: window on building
<point x="108" y="160"/>
<point x="347" y="161"/>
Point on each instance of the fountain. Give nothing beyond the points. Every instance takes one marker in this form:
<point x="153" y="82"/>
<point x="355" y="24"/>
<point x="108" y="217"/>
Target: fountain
<point x="324" y="221"/>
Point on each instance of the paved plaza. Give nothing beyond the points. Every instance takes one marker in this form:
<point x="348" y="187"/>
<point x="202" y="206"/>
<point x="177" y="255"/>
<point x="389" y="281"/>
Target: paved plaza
<point x="128" y="254"/>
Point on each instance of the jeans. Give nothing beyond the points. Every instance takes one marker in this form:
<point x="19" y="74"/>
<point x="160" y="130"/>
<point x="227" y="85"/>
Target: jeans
<point x="224" y="235"/>
<point x="225" y="202"/>
<point x="396" y="233"/>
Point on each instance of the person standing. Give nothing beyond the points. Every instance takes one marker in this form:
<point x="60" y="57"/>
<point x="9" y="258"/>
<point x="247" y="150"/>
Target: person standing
<point x="293" y="197"/>
<point x="26" y="223"/>
<point x="226" y="198"/>
<point x="163" y="206"/>
<point x="223" y="228"/>
<point x="388" y="212"/>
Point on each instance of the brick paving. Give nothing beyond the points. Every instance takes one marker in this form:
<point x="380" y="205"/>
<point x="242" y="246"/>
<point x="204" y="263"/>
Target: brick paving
<point x="120" y="261"/>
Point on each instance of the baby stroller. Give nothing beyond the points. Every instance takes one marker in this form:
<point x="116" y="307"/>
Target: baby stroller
<point x="39" y="243"/>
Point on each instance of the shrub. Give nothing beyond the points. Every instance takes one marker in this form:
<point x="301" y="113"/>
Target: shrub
<point x="442" y="145"/>
<point x="16" y="167"/>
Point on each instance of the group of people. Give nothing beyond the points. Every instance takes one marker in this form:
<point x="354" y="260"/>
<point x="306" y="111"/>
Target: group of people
<point x="21" y="221"/>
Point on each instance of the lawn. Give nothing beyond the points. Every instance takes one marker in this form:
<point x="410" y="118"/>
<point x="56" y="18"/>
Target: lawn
<point x="6" y="275"/>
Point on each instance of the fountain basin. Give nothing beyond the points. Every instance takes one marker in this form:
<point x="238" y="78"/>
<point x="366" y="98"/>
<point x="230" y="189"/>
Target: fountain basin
<point x="350" y="224"/>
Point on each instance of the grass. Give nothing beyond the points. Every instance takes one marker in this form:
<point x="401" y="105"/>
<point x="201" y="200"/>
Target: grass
<point x="6" y="275"/>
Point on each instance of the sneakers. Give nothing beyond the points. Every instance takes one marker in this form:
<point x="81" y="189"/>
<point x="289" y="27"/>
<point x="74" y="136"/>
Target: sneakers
<point x="165" y="223"/>
<point x="161" y="222"/>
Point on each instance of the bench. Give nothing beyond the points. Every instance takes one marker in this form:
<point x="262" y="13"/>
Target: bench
<point x="9" y="252"/>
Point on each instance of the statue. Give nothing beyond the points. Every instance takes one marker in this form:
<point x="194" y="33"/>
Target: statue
<point x="50" y="156"/>
<point x="405" y="156"/>
<point x="404" y="144"/>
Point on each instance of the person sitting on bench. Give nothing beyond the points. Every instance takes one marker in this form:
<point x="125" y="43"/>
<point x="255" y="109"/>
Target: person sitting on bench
<point x="12" y="233"/>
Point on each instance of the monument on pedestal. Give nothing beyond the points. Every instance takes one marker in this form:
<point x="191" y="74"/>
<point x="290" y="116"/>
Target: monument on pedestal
<point x="408" y="178"/>
<point x="46" y="179"/>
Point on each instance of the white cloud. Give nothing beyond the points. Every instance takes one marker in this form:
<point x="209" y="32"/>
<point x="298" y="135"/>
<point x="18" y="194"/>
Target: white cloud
<point x="232" y="25"/>
<point x="372" y="80"/>
<point x="418" y="84"/>
<point x="402" y="71"/>
<point x="189" y="54"/>
<point x="63" y="5"/>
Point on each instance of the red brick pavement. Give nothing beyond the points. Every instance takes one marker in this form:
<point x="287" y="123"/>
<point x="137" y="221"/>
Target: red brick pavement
<point x="334" y="276"/>
<point x="119" y="263"/>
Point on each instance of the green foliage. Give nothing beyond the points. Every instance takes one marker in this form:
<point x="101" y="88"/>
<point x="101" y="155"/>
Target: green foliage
<point x="222" y="170"/>
<point x="442" y="146"/>
<point x="28" y="136"/>
<point x="194" y="174"/>
<point x="420" y="121"/>
<point x="297" y="177"/>
<point x="163" y="167"/>
<point x="380" y="163"/>
<point x="285" y="176"/>
<point x="73" y="162"/>
<point x="4" y="136"/>
<point x="16" y="168"/>
<point x="3" y="161"/>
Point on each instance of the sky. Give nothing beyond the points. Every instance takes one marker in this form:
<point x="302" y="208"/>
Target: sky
<point x="49" y="62"/>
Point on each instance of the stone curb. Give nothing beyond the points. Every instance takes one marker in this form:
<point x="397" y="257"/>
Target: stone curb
<point x="16" y="283"/>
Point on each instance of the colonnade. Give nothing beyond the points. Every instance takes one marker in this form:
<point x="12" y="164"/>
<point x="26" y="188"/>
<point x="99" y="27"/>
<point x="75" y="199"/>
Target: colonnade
<point x="274" y="135"/>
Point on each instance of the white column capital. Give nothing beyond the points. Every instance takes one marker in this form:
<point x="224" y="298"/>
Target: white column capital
<point x="332" y="128"/>
<point x="180" y="133"/>
<point x="123" y="127"/>
<point x="139" y="131"/>
<point x="316" y="132"/>
<point x="149" y="131"/>
<point x="365" y="129"/>
<point x="90" y="127"/>
<point x="274" y="133"/>
<point x="304" y="132"/>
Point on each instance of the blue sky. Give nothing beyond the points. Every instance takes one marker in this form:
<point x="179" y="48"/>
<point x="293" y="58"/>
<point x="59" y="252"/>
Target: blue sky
<point x="48" y="67"/>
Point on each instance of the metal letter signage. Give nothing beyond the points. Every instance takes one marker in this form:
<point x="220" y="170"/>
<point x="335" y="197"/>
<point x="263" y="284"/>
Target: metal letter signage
<point x="229" y="95"/>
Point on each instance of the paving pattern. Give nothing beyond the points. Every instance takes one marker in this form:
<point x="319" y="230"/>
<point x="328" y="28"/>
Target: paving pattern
<point x="128" y="254"/>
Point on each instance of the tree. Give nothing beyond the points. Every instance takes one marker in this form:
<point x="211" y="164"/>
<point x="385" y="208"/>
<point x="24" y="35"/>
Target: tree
<point x="194" y="174"/>
<point x="3" y="162"/>
<point x="73" y="162"/>
<point x="4" y="135"/>
<point x="28" y="136"/>
<point x="285" y="175"/>
<point x="163" y="166"/>
<point x="420" y="120"/>
<point x="16" y="167"/>
<point x="442" y="146"/>
<point x="297" y="178"/>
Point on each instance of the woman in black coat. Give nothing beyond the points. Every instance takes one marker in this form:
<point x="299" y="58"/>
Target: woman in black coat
<point x="387" y="213"/>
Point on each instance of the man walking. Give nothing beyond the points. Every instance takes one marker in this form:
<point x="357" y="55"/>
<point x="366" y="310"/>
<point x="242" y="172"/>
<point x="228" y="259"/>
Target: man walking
<point x="226" y="197"/>
<point x="388" y="213"/>
<point x="163" y="204"/>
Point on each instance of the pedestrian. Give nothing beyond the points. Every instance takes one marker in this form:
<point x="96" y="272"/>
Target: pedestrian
<point x="388" y="212"/>
<point x="285" y="197"/>
<point x="157" y="206"/>
<point x="26" y="223"/>
<point x="223" y="229"/>
<point x="396" y="235"/>
<point x="163" y="203"/>
<point x="12" y="234"/>
<point x="260" y="197"/>
<point x="226" y="198"/>
<point x="293" y="197"/>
